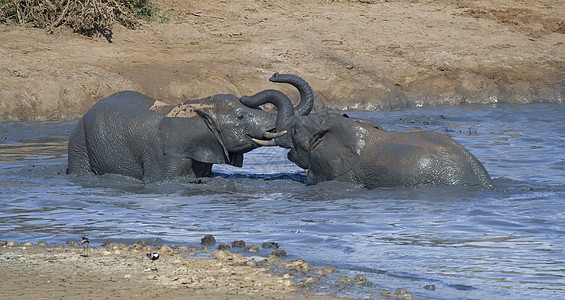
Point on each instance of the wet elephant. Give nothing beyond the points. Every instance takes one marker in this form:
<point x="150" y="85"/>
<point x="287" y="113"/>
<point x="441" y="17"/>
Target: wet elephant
<point x="131" y="134"/>
<point x="336" y="147"/>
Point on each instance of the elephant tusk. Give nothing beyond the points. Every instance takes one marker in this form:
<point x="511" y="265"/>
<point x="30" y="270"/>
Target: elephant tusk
<point x="264" y="142"/>
<point x="272" y="135"/>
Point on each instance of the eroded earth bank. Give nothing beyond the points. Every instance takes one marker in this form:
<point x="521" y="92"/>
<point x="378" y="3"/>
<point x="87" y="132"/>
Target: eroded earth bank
<point x="355" y="54"/>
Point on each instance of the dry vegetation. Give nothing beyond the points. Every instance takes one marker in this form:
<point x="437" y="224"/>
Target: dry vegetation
<point x="88" y="17"/>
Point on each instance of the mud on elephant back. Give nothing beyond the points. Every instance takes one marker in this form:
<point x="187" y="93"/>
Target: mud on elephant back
<point x="131" y="134"/>
<point x="336" y="147"/>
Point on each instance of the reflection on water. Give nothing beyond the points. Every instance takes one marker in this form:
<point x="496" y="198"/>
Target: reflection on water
<point x="506" y="243"/>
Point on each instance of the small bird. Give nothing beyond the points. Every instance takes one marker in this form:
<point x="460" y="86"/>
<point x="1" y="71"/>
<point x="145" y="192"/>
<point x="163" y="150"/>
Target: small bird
<point x="85" y="243"/>
<point x="153" y="257"/>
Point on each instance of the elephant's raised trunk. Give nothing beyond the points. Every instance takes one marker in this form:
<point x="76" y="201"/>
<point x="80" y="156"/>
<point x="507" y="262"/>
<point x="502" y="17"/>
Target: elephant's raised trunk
<point x="285" y="113"/>
<point x="306" y="103"/>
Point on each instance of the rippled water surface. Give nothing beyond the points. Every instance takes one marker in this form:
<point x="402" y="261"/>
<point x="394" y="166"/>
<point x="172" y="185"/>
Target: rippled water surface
<point x="506" y="243"/>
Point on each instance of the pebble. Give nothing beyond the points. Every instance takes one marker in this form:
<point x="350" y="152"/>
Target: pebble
<point x="279" y="253"/>
<point x="208" y="240"/>
<point x="186" y="249"/>
<point x="251" y="248"/>
<point x="238" y="244"/>
<point x="401" y="293"/>
<point x="166" y="249"/>
<point x="224" y="247"/>
<point x="8" y="244"/>
<point x="331" y="270"/>
<point x="72" y="243"/>
<point x="270" y="245"/>
<point x="309" y="281"/>
<point x="360" y="279"/>
<point x="299" y="265"/>
<point x="226" y="256"/>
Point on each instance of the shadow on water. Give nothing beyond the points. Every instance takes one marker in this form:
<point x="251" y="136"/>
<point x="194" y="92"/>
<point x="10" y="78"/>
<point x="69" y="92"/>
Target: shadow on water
<point x="468" y="243"/>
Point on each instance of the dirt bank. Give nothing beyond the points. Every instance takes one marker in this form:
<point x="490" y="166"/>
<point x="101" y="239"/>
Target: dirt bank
<point x="355" y="54"/>
<point x="122" y="272"/>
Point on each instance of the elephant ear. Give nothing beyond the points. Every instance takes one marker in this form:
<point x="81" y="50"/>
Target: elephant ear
<point x="191" y="138"/>
<point x="335" y="151"/>
<point x="233" y="158"/>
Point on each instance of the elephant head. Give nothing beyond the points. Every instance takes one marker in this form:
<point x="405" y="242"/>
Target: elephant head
<point x="327" y="144"/>
<point x="286" y="113"/>
<point x="237" y="124"/>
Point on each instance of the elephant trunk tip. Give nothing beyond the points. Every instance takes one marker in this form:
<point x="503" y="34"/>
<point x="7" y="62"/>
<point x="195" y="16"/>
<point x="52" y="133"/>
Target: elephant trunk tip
<point x="306" y="103"/>
<point x="274" y="77"/>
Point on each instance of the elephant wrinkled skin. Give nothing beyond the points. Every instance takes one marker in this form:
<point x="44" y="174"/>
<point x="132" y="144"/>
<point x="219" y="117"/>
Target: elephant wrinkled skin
<point x="336" y="147"/>
<point x="131" y="134"/>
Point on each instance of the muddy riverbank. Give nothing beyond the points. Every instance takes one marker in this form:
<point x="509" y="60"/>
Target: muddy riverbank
<point x="355" y="54"/>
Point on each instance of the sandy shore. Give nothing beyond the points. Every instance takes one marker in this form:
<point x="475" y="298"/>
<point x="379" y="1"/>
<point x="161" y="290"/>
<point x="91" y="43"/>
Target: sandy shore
<point x="355" y="54"/>
<point x="124" y="272"/>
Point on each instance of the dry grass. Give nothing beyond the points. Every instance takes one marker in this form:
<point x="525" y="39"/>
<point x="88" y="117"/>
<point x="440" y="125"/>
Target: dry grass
<point x="88" y="17"/>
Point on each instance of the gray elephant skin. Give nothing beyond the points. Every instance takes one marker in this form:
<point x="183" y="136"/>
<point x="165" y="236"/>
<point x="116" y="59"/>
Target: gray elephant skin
<point x="131" y="134"/>
<point x="336" y="147"/>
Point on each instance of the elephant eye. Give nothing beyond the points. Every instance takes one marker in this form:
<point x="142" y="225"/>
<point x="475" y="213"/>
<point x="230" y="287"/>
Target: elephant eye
<point x="315" y="144"/>
<point x="317" y="139"/>
<point x="239" y="114"/>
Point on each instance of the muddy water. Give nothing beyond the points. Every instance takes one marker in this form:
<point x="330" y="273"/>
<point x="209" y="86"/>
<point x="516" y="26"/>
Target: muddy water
<point x="507" y="243"/>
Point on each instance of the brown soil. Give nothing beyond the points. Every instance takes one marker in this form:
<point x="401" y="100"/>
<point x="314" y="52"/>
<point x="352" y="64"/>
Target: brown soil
<point x="355" y="54"/>
<point x="122" y="272"/>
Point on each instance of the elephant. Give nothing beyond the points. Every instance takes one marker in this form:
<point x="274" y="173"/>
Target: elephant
<point x="335" y="147"/>
<point x="134" y="135"/>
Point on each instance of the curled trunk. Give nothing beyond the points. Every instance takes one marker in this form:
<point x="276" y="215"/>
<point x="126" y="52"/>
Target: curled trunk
<point x="285" y="111"/>
<point x="306" y="103"/>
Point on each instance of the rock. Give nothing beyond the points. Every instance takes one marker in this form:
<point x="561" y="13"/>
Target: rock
<point x="330" y="269"/>
<point x="230" y="257"/>
<point x="319" y="272"/>
<point x="251" y="248"/>
<point x="270" y="245"/>
<point x="224" y="247"/>
<point x="139" y="247"/>
<point x="208" y="240"/>
<point x="299" y="265"/>
<point x="401" y="293"/>
<point x="71" y="243"/>
<point x="166" y="249"/>
<point x="279" y="253"/>
<point x="360" y="279"/>
<point x="430" y="287"/>
<point x="344" y="279"/>
<point x="122" y="247"/>
<point x="238" y="244"/>
<point x="42" y="244"/>
<point x="186" y="249"/>
<point x="309" y="281"/>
